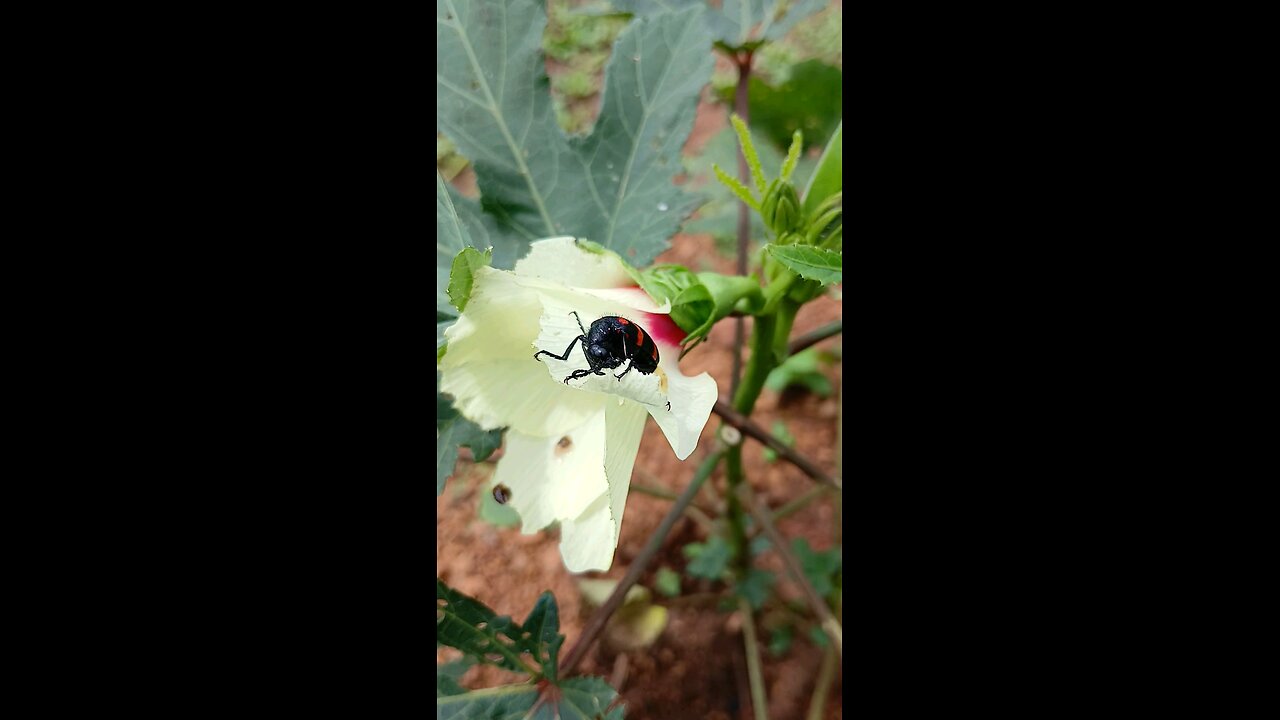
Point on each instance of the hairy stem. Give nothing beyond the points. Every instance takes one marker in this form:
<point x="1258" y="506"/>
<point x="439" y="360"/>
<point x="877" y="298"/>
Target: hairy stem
<point x="759" y="703"/>
<point x="758" y="368"/>
<point x="597" y="622"/>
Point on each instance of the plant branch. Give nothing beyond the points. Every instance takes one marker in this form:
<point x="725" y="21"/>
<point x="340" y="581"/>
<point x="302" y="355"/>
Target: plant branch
<point x="597" y="622"/>
<point x="819" y="606"/>
<point x="791" y="506"/>
<point x="759" y="703"/>
<point x="823" y="686"/>
<point x="815" y="337"/>
<point x="750" y="428"/>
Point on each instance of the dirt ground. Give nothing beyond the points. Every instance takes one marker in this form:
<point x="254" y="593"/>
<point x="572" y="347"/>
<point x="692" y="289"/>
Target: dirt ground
<point x="696" y="668"/>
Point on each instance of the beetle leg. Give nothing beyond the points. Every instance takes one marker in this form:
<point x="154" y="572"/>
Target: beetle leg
<point x="575" y="317"/>
<point x="582" y="337"/>
<point x="624" y="372"/>
<point x="580" y="374"/>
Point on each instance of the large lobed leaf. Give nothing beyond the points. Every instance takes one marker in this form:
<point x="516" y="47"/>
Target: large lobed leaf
<point x="736" y="23"/>
<point x="469" y="625"/>
<point x="613" y="186"/>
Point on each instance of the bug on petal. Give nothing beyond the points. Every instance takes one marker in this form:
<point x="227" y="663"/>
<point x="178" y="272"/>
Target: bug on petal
<point x="612" y="341"/>
<point x="502" y="494"/>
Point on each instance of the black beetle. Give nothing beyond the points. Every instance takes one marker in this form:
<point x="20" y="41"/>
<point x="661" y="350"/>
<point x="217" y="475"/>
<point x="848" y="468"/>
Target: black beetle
<point x="611" y="341"/>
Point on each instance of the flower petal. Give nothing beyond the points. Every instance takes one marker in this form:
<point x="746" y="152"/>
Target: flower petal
<point x="563" y="260"/>
<point x="691" y="402"/>
<point x="490" y="370"/>
<point x="588" y="541"/>
<point x="555" y="478"/>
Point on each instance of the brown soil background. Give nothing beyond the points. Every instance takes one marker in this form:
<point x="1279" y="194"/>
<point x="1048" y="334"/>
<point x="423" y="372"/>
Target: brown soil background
<point x="696" y="668"/>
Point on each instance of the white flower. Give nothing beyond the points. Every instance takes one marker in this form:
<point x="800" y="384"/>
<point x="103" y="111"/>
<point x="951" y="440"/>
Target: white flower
<point x="569" y="447"/>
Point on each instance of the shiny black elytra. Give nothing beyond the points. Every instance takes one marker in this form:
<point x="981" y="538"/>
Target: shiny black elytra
<point x="611" y="341"/>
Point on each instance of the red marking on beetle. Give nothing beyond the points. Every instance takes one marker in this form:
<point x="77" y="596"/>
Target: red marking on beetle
<point x="639" y="336"/>
<point x="655" y="353"/>
<point x="623" y="321"/>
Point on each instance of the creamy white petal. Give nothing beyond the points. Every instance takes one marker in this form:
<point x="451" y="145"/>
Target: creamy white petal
<point x="561" y="259"/>
<point x="555" y="478"/>
<point x="489" y="367"/>
<point x="588" y="541"/>
<point x="584" y="541"/>
<point x="691" y="402"/>
<point x="632" y="297"/>
<point x="624" y="426"/>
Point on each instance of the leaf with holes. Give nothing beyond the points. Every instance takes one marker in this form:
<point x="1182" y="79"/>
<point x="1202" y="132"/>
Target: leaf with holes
<point x="818" y="264"/>
<point x="448" y="675"/>
<point x="580" y="698"/>
<point x="613" y="186"/>
<point x="469" y="625"/>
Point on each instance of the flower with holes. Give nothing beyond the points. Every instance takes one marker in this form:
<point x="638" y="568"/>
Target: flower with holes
<point x="571" y="356"/>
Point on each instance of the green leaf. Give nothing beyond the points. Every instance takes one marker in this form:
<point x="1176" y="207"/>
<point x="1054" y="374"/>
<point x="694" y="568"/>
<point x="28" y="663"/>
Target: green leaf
<point x="760" y="544"/>
<point x="467" y="624"/>
<point x="667" y="582"/>
<point x="580" y="698"/>
<point x="795" y="12"/>
<point x="801" y="369"/>
<point x="736" y="23"/>
<point x="448" y="674"/>
<point x="614" y="185"/>
<point x="462" y="275"/>
<point x="709" y="559"/>
<point x="494" y="513"/>
<point x="828" y="179"/>
<point x="780" y="639"/>
<point x="820" y="568"/>
<point x="823" y="266"/>
<point x="755" y="586"/>
<point x="818" y="637"/>
<point x="453" y="430"/>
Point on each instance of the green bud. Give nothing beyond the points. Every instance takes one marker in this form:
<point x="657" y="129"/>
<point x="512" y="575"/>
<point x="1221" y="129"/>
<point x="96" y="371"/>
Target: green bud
<point x="781" y="208"/>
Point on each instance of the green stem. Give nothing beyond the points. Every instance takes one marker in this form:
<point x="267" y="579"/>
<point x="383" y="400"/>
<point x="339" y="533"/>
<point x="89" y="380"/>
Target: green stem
<point x="782" y="333"/>
<point x="758" y="369"/>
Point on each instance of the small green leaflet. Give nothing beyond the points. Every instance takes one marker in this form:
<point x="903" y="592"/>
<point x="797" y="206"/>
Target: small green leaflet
<point x="462" y="275"/>
<point x="823" y="266"/>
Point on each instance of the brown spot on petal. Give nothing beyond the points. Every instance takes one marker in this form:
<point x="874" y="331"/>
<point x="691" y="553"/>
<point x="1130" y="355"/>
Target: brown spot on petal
<point x="662" y="380"/>
<point x="564" y="446"/>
